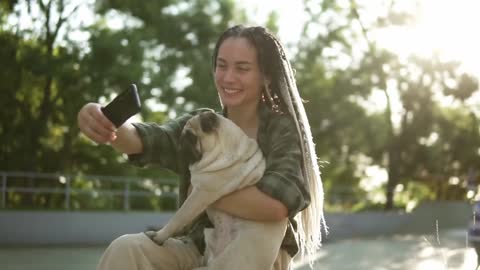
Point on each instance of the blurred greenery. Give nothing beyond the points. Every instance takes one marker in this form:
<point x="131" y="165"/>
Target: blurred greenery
<point x="165" y="48"/>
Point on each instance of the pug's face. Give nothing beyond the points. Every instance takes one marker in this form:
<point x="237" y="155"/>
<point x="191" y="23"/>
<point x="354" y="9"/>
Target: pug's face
<point x="201" y="135"/>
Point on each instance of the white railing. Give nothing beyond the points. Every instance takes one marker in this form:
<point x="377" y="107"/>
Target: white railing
<point x="159" y="187"/>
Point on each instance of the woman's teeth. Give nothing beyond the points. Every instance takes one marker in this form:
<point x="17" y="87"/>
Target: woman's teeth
<point x="231" y="91"/>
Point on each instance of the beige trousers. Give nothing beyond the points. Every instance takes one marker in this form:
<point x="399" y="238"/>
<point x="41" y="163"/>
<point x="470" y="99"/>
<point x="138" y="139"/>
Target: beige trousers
<point x="138" y="252"/>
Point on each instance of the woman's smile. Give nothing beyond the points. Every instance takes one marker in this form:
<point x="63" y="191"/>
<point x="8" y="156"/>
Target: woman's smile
<point x="231" y="91"/>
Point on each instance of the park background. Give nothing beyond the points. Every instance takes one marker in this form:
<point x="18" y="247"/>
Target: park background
<point x="391" y="90"/>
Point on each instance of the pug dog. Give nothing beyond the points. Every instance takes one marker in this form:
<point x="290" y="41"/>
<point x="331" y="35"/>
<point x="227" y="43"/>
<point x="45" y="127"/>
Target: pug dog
<point x="224" y="159"/>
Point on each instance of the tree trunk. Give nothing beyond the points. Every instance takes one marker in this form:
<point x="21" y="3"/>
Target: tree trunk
<point x="393" y="174"/>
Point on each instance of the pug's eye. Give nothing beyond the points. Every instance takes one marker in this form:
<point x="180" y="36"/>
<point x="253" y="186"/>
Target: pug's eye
<point x="188" y="146"/>
<point x="208" y="121"/>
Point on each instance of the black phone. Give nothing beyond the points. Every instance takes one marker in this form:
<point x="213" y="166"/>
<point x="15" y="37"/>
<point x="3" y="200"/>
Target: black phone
<point x="123" y="106"/>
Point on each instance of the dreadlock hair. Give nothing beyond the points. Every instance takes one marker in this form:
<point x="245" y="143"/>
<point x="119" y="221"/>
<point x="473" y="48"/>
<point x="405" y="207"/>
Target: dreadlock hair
<point x="285" y="98"/>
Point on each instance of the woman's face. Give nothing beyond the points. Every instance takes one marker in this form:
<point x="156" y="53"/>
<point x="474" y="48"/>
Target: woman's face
<point x="238" y="78"/>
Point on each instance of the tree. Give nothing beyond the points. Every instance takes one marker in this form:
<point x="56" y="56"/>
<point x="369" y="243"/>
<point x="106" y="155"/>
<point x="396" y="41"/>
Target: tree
<point x="337" y="77"/>
<point x="417" y="81"/>
<point x="49" y="75"/>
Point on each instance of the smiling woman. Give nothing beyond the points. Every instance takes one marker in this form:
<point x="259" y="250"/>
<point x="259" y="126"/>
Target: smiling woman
<point x="255" y="82"/>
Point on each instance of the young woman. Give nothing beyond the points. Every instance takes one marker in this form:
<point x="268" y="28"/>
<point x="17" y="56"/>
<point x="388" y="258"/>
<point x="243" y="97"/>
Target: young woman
<point x="257" y="91"/>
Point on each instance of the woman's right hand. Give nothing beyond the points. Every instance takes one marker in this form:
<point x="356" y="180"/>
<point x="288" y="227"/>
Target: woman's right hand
<point x="95" y="125"/>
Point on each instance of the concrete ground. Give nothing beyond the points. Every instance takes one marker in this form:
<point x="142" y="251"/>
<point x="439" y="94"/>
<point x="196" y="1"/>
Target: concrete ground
<point x="448" y="250"/>
<point x="410" y="252"/>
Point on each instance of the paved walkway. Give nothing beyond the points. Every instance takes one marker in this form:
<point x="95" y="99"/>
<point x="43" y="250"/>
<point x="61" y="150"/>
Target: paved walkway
<point x="447" y="251"/>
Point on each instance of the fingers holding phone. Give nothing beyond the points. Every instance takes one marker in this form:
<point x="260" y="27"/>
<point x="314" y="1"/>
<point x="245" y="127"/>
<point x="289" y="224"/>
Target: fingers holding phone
<point x="100" y="123"/>
<point x="95" y="125"/>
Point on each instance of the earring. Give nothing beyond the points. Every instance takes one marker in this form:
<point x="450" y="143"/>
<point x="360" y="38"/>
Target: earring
<point x="271" y="99"/>
<point x="268" y="92"/>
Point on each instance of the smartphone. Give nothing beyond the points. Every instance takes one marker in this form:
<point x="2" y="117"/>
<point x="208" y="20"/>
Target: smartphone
<point x="123" y="106"/>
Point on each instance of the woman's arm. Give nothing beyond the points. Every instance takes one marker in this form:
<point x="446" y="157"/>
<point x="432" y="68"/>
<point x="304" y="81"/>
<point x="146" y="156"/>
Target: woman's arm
<point x="127" y="140"/>
<point x="251" y="203"/>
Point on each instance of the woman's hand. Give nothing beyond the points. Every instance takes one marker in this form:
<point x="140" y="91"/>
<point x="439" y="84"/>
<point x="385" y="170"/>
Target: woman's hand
<point x="95" y="125"/>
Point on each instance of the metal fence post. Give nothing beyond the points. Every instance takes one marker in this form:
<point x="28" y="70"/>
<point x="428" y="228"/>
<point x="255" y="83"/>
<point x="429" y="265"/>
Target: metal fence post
<point x="67" y="192"/>
<point x="126" y="195"/>
<point x="4" y="190"/>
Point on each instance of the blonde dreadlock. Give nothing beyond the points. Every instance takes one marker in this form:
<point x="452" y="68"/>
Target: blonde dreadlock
<point x="311" y="220"/>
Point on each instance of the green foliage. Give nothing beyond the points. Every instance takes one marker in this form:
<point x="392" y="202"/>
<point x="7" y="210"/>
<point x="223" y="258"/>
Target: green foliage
<point x="46" y="82"/>
<point x="165" y="48"/>
<point x="413" y="193"/>
<point x="344" y="128"/>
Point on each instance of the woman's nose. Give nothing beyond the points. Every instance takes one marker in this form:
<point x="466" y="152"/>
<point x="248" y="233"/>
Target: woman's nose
<point x="229" y="75"/>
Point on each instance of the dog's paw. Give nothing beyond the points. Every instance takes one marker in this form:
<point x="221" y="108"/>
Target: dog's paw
<point x="157" y="236"/>
<point x="160" y="237"/>
<point x="150" y="234"/>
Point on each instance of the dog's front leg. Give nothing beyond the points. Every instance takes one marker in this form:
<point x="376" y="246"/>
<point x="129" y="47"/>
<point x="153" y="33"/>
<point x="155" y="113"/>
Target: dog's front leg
<point x="193" y="206"/>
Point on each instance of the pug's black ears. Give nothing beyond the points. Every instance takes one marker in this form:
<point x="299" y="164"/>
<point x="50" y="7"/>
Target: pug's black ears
<point x="208" y="121"/>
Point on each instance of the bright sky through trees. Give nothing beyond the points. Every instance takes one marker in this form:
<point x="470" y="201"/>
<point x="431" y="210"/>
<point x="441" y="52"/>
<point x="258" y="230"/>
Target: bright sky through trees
<point x="447" y="27"/>
<point x="444" y="27"/>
